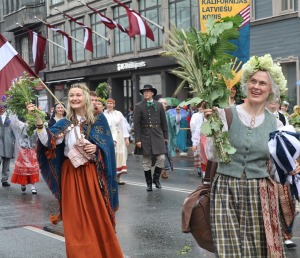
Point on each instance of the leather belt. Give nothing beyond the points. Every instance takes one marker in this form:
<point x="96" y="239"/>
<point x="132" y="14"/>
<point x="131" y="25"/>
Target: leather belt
<point x="150" y="126"/>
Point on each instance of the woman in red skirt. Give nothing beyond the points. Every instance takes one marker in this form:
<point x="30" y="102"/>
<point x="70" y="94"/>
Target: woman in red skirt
<point x="26" y="170"/>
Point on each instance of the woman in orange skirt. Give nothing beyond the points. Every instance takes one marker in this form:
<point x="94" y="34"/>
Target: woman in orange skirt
<point x="88" y="193"/>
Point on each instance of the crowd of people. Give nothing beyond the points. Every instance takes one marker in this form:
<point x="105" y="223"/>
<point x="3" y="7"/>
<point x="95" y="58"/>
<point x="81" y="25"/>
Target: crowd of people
<point x="82" y="153"/>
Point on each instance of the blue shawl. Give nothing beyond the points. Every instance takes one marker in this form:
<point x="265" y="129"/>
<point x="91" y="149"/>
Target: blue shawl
<point x="51" y="158"/>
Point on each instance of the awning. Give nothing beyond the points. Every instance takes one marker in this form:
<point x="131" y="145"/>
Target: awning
<point x="67" y="80"/>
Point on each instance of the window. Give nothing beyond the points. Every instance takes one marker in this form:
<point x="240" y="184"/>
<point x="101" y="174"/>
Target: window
<point x="59" y="54"/>
<point x="284" y="6"/>
<point x="56" y="1"/>
<point x="6" y="9"/>
<point x="154" y="80"/>
<point x="77" y="32"/>
<point x="128" y="94"/>
<point x="99" y="44"/>
<point x="152" y="10"/>
<point x="122" y="42"/>
<point x="25" y="49"/>
<point x="287" y="5"/>
<point x="184" y="13"/>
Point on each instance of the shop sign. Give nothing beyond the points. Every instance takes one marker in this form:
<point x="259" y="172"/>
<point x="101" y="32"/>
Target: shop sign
<point x="130" y="65"/>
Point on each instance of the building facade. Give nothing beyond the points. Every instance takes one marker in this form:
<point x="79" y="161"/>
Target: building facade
<point x="129" y="63"/>
<point x="125" y="63"/>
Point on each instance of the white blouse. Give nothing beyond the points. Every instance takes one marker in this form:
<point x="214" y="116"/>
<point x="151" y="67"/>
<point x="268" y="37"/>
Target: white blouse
<point x="69" y="137"/>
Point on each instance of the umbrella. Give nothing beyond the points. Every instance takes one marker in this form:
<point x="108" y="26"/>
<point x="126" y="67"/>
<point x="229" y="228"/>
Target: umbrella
<point x="192" y="101"/>
<point x="172" y="102"/>
<point x="169" y="158"/>
<point x="183" y="112"/>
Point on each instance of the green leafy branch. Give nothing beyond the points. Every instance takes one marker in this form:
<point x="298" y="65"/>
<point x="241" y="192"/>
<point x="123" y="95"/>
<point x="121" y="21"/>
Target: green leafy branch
<point x="21" y="93"/>
<point x="103" y="89"/>
<point x="205" y="63"/>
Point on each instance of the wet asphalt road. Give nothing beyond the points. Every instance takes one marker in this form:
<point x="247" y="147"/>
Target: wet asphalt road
<point x="148" y="224"/>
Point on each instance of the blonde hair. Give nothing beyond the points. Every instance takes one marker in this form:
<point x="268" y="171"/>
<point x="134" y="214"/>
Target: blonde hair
<point x="88" y="105"/>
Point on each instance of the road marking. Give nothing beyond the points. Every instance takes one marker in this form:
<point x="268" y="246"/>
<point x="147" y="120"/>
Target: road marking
<point x="45" y="233"/>
<point x="187" y="169"/>
<point x="180" y="190"/>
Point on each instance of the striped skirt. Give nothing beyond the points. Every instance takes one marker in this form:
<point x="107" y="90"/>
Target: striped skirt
<point x="237" y="218"/>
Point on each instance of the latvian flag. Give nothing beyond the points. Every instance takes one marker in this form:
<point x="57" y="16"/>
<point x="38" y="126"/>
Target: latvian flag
<point x="12" y="65"/>
<point x="38" y="50"/>
<point x="67" y="41"/>
<point x="137" y="25"/>
<point x="107" y="21"/>
<point x="88" y="34"/>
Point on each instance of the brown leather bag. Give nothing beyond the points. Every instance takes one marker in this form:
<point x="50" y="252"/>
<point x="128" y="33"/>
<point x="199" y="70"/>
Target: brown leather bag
<point x="196" y="206"/>
<point x="196" y="211"/>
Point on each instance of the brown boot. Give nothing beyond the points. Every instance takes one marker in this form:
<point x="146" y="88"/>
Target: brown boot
<point x="164" y="174"/>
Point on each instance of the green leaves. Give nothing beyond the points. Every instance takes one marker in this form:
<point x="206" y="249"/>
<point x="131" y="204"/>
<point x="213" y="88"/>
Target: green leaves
<point x="204" y="61"/>
<point x="184" y="250"/>
<point x="21" y="93"/>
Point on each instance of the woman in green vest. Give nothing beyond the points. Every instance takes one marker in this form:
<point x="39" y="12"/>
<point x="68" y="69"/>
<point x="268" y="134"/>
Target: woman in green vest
<point x="244" y="206"/>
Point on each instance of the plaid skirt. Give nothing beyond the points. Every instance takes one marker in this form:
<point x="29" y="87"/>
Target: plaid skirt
<point x="237" y="221"/>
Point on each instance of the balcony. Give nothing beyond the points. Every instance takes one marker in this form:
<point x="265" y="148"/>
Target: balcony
<point x="25" y="15"/>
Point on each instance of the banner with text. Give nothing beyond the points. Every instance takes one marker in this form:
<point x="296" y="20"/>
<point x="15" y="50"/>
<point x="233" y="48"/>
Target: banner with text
<point x="222" y="8"/>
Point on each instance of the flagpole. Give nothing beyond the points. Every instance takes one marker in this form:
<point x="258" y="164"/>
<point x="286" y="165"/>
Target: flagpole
<point x="155" y="24"/>
<point x="50" y="41"/>
<point x="95" y="32"/>
<point x="69" y="35"/>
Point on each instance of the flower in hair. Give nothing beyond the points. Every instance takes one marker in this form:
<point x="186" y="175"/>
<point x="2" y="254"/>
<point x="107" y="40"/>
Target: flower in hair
<point x="265" y="63"/>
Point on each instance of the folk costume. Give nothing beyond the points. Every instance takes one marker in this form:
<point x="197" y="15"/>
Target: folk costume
<point x="182" y="123"/>
<point x="151" y="129"/>
<point x="88" y="194"/>
<point x="26" y="170"/>
<point x="249" y="217"/>
<point x="117" y="120"/>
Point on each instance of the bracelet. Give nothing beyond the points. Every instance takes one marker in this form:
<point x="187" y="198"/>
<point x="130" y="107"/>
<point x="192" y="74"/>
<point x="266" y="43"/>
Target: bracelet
<point x="40" y="126"/>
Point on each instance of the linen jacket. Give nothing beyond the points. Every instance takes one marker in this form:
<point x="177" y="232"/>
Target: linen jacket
<point x="150" y="128"/>
<point x="7" y="139"/>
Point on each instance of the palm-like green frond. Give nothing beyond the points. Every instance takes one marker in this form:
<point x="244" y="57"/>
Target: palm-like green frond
<point x="204" y="59"/>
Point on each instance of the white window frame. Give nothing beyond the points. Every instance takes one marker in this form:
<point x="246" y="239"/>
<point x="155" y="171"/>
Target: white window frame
<point x="277" y="7"/>
<point x="252" y="10"/>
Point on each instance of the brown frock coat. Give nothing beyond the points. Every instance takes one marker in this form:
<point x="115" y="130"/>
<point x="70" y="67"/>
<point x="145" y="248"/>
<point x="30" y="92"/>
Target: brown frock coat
<point x="150" y="128"/>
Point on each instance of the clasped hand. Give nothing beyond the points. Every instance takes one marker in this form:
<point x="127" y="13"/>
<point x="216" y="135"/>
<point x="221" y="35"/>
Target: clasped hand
<point x="90" y="148"/>
<point x="296" y="170"/>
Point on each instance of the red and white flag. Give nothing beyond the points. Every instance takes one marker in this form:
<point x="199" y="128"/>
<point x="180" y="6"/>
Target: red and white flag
<point x="107" y="21"/>
<point x="137" y="25"/>
<point x="67" y="41"/>
<point x="38" y="50"/>
<point x="88" y="33"/>
<point x="12" y="65"/>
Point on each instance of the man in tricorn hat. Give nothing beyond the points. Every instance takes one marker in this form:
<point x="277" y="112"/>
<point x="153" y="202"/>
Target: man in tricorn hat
<point x="151" y="134"/>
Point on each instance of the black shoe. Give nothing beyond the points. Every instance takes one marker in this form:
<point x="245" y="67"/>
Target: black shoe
<point x="23" y="188"/>
<point x="5" y="184"/>
<point x="156" y="175"/>
<point x="149" y="187"/>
